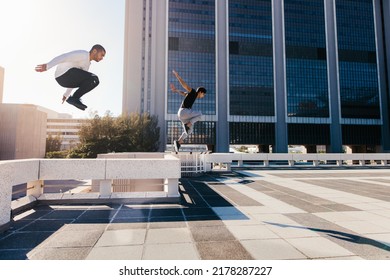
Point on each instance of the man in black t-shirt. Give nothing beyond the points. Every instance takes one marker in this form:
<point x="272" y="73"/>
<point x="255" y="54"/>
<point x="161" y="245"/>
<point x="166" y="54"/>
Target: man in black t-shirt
<point x="186" y="115"/>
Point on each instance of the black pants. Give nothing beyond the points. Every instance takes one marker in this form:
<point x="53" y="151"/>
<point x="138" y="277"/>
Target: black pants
<point x="78" y="78"/>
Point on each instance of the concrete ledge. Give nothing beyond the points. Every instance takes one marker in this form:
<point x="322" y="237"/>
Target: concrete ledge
<point x="68" y="169"/>
<point x="142" y="168"/>
<point x="317" y="160"/>
<point x="138" y="166"/>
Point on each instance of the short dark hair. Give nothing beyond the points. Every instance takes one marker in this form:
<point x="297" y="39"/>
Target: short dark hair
<point x="202" y="89"/>
<point x="98" y="48"/>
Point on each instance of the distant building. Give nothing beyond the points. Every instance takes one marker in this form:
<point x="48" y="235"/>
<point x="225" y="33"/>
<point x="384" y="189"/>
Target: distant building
<point x="67" y="129"/>
<point x="22" y="132"/>
<point x="64" y="126"/>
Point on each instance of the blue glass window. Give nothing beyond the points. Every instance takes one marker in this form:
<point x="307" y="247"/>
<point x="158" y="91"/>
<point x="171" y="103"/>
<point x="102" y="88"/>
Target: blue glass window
<point x="306" y="66"/>
<point x="250" y="58"/>
<point x="191" y="51"/>
<point x="359" y="89"/>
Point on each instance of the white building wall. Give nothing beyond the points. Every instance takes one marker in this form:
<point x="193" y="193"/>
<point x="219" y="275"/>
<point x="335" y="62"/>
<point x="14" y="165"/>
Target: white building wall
<point x="22" y="132"/>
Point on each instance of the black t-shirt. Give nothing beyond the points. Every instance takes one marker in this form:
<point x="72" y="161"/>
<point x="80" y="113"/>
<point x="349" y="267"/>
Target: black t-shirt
<point x="189" y="99"/>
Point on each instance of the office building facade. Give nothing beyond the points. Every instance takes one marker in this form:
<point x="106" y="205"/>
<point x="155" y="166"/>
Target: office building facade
<point x="277" y="72"/>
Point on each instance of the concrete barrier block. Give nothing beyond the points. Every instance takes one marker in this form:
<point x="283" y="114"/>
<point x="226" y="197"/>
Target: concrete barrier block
<point x="116" y="155"/>
<point x="325" y="157"/>
<point x="143" y="168"/>
<point x="25" y="171"/>
<point x="68" y="169"/>
<point x="351" y="156"/>
<point x="149" y="155"/>
<point x="305" y="157"/>
<point x="280" y="156"/>
<point x="222" y="157"/>
<point x="379" y="156"/>
<point x="259" y="156"/>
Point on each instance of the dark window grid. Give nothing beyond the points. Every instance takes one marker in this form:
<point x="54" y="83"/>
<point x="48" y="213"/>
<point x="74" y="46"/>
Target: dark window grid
<point x="252" y="133"/>
<point x="255" y="29"/>
<point x="359" y="99"/>
<point x="308" y="134"/>
<point x="239" y="6"/>
<point x="361" y="134"/>
<point x="192" y="29"/>
<point x="359" y="75"/>
<point x="355" y="25"/>
<point x="307" y="88"/>
<point x="248" y="76"/>
<point x="204" y="132"/>
<point x="252" y="101"/>
<point x="252" y="81"/>
<point x="192" y="13"/>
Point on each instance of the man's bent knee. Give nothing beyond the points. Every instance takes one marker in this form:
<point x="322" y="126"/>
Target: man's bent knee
<point x="95" y="80"/>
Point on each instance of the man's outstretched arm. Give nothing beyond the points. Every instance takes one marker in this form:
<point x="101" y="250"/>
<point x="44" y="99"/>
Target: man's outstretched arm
<point x="181" y="81"/>
<point x="174" y="89"/>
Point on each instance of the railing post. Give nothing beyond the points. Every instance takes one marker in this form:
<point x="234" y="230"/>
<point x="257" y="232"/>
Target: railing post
<point x="5" y="204"/>
<point x="171" y="187"/>
<point x="105" y="188"/>
<point x="35" y="188"/>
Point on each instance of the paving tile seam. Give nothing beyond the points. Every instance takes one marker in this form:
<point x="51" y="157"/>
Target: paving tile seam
<point x="320" y="187"/>
<point x="331" y="235"/>
<point x="253" y="190"/>
<point x="297" y="195"/>
<point x="330" y="175"/>
<point x="191" y="229"/>
<point x="303" y="237"/>
<point x="359" y="250"/>
<point x="351" y="192"/>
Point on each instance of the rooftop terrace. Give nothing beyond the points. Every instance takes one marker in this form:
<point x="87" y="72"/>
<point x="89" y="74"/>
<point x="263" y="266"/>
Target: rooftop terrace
<point x="244" y="214"/>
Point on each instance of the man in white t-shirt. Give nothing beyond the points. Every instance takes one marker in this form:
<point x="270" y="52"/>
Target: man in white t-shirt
<point x="72" y="72"/>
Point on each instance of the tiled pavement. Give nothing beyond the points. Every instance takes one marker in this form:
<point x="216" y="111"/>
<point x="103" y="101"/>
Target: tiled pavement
<point x="245" y="214"/>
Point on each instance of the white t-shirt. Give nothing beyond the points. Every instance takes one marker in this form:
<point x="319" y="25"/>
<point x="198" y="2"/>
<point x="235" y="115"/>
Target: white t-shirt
<point x="74" y="59"/>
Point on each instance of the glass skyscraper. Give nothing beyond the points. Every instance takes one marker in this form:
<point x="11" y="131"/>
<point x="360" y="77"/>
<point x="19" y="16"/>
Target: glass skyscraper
<point x="277" y="72"/>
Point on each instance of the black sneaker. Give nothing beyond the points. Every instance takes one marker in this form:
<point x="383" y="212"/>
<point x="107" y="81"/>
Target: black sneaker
<point x="76" y="102"/>
<point x="177" y="145"/>
<point x="85" y="106"/>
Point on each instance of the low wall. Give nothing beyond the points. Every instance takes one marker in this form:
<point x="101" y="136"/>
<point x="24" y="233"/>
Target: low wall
<point x="294" y="160"/>
<point x="35" y="171"/>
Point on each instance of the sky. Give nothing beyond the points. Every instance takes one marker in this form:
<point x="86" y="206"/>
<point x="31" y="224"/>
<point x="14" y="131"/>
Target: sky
<point x="33" y="32"/>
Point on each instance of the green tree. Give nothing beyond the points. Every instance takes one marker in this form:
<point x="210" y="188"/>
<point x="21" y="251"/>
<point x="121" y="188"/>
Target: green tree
<point x="127" y="133"/>
<point x="53" y="143"/>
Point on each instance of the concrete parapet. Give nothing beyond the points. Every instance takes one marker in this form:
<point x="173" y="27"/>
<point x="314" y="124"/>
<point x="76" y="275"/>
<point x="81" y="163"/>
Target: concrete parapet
<point x="13" y="173"/>
<point x="67" y="169"/>
<point x="287" y="159"/>
<point x="163" y="168"/>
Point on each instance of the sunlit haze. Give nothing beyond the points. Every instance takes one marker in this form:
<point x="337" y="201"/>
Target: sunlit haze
<point x="35" y="31"/>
